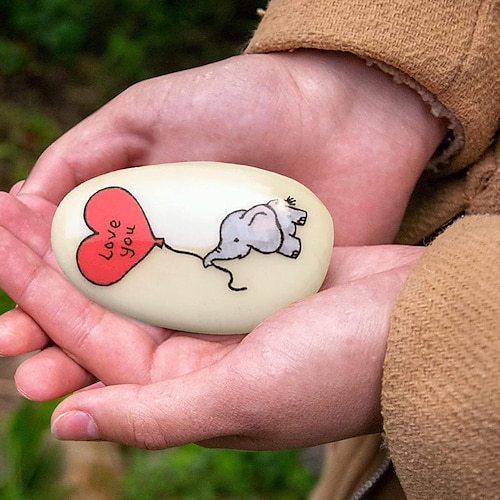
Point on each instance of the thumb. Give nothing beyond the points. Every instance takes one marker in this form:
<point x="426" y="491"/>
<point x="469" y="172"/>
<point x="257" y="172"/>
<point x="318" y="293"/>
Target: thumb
<point x="155" y="416"/>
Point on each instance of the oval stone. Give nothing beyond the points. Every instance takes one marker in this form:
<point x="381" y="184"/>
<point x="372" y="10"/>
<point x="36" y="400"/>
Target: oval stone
<point x="203" y="247"/>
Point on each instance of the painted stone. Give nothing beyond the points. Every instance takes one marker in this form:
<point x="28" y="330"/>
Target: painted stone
<point x="202" y="247"/>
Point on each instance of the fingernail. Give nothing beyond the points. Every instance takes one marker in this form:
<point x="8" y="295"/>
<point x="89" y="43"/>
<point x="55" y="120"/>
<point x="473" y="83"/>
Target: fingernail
<point x="75" y="426"/>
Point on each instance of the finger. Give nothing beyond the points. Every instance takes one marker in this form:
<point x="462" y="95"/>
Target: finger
<point x="20" y="334"/>
<point x="50" y="374"/>
<point x="72" y="321"/>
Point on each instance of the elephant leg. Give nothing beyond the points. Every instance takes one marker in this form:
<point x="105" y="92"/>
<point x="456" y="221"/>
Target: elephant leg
<point x="291" y="246"/>
<point x="298" y="216"/>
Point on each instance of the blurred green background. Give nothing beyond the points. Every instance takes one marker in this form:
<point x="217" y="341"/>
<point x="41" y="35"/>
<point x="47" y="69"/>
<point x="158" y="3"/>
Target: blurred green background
<point x="60" y="61"/>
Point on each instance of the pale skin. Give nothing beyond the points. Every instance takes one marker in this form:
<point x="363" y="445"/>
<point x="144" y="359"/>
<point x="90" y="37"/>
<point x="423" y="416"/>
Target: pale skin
<point x="309" y="374"/>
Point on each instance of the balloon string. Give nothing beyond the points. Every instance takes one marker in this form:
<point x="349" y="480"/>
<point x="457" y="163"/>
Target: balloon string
<point x="220" y="268"/>
<point x="231" y="279"/>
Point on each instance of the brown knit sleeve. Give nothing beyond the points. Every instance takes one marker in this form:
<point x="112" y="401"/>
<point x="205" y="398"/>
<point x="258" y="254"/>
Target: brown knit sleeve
<point x="441" y="385"/>
<point x="449" y="48"/>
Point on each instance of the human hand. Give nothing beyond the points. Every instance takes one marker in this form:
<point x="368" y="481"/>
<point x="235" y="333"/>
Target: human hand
<point x="309" y="374"/>
<point x="347" y="131"/>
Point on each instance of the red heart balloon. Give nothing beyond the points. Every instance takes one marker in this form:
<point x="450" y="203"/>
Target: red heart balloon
<point x="121" y="236"/>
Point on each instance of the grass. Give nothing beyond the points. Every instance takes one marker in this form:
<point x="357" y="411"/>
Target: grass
<point x="194" y="473"/>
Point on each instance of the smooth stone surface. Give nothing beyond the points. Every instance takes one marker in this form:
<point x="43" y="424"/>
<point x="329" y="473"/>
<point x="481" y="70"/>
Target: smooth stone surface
<point x="203" y="247"/>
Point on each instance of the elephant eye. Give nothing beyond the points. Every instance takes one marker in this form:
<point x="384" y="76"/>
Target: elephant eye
<point x="236" y="240"/>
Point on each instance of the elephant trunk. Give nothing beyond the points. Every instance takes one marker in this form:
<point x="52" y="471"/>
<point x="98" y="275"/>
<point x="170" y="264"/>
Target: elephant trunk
<point x="211" y="256"/>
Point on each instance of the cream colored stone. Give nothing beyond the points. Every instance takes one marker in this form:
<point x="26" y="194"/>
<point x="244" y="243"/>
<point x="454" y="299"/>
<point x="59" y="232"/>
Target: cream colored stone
<point x="156" y="256"/>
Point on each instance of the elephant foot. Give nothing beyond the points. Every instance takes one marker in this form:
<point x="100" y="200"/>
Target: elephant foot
<point x="291" y="247"/>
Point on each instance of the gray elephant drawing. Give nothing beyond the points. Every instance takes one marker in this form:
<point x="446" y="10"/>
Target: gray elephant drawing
<point x="267" y="228"/>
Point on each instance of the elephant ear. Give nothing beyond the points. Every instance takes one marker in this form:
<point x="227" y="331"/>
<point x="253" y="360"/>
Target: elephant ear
<point x="263" y="226"/>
